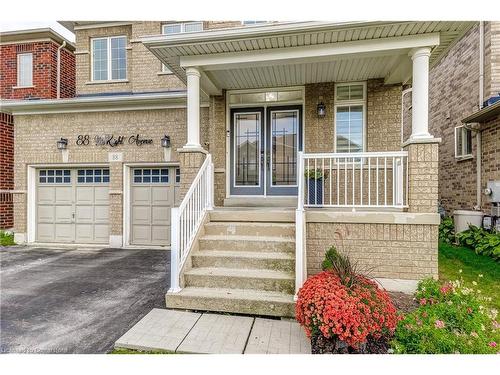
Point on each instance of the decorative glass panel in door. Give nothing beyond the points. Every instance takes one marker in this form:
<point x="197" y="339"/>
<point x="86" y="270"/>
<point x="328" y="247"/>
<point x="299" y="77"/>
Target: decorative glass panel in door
<point x="283" y="143"/>
<point x="247" y="151"/>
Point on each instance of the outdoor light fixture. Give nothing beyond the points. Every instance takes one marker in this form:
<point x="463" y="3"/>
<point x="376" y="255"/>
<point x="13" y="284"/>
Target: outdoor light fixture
<point x="321" y="109"/>
<point x="62" y="144"/>
<point x="165" y="141"/>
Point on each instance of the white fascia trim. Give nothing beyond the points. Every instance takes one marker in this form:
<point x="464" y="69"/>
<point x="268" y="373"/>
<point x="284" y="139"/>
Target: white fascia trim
<point x="310" y="52"/>
<point x="96" y="104"/>
<point x="249" y="32"/>
<point x="97" y="25"/>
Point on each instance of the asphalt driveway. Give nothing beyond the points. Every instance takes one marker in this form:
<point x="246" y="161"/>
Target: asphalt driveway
<point x="76" y="300"/>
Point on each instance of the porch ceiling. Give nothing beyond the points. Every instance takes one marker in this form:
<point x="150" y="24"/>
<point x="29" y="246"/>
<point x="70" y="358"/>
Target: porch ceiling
<point x="296" y="53"/>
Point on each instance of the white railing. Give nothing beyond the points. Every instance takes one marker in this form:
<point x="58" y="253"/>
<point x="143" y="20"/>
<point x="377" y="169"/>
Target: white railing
<point x="353" y="180"/>
<point x="187" y="218"/>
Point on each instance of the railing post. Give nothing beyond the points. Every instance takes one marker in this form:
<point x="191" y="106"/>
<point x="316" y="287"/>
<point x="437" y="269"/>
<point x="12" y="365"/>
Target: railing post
<point x="174" y="251"/>
<point x="301" y="180"/>
<point x="211" y="182"/>
<point x="300" y="228"/>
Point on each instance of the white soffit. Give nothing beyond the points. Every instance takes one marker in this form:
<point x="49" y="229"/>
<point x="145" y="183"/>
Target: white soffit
<point x="221" y="53"/>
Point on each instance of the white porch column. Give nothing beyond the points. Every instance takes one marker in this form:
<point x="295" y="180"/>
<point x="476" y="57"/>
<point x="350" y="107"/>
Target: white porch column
<point x="193" y="108"/>
<point x="420" y="94"/>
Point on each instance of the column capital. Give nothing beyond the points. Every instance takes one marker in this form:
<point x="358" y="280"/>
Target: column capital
<point x="418" y="52"/>
<point x="193" y="71"/>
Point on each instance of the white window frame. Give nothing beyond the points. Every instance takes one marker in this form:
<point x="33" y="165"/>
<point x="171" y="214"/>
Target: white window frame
<point x="463" y="155"/>
<point x="164" y="68"/>
<point x="345" y="103"/>
<point x="19" y="69"/>
<point x="109" y="78"/>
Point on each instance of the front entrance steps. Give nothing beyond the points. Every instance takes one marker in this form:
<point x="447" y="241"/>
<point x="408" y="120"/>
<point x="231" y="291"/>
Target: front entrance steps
<point x="244" y="263"/>
<point x="260" y="201"/>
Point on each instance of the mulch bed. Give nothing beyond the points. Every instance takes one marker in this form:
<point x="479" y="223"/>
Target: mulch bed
<point x="320" y="345"/>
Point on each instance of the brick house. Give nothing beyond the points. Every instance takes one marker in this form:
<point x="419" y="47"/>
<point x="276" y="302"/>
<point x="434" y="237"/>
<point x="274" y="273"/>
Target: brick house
<point x="29" y="70"/>
<point x="247" y="150"/>
<point x="461" y="84"/>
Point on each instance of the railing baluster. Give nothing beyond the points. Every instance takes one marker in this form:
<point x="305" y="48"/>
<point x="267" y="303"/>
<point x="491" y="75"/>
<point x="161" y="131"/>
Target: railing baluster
<point x="345" y="181"/>
<point x="385" y="181"/>
<point x="377" y="180"/>
<point x="369" y="182"/>
<point x="338" y="181"/>
<point x="353" y="182"/>
<point x="331" y="177"/>
<point x="323" y="180"/>
<point x="315" y="181"/>
<point x="308" y="184"/>
<point x="361" y="180"/>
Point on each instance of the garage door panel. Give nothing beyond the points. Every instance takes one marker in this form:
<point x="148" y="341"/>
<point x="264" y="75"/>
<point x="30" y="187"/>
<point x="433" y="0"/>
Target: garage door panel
<point x="45" y="214"/>
<point x="101" y="214"/>
<point x="84" y="214"/>
<point x="84" y="233"/>
<point x="141" y="234"/>
<point x="141" y="215"/>
<point x="64" y="195"/>
<point x="160" y="234"/>
<point x="45" y="232"/>
<point x="141" y="195"/>
<point x="46" y="195"/>
<point x="63" y="214"/>
<point x="85" y="195"/>
<point x="101" y="233"/>
<point x="101" y="195"/>
<point x="64" y="232"/>
<point x="160" y="215"/>
<point x="162" y="196"/>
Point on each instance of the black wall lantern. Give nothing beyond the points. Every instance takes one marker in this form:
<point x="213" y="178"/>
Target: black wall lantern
<point x="62" y="144"/>
<point x="321" y="109"/>
<point x="165" y="141"/>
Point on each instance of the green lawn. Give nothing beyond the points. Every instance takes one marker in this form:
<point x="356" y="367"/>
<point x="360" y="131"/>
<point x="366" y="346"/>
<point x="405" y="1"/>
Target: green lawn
<point x="455" y="258"/>
<point x="6" y="239"/>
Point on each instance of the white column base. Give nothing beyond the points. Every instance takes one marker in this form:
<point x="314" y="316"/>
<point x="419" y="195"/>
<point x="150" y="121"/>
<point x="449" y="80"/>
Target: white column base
<point x="20" y="238"/>
<point x="115" y="241"/>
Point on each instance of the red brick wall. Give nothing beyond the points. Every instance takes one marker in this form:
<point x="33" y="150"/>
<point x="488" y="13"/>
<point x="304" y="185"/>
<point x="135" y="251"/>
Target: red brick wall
<point x="6" y="170"/>
<point x="44" y="71"/>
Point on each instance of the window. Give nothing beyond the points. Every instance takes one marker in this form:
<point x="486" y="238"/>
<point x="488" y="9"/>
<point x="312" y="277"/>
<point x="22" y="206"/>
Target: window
<point x="54" y="176"/>
<point x="93" y="176"/>
<point x="177" y="28"/>
<point x="350" y="117"/>
<point x="151" y="175"/>
<point x="109" y="58"/>
<point x="177" y="175"/>
<point x="463" y="142"/>
<point x="24" y="69"/>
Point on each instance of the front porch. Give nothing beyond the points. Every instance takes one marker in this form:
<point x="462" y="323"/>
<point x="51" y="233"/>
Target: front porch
<point x="311" y="136"/>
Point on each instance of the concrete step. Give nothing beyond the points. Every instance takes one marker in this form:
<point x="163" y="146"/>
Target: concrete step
<point x="238" y="278"/>
<point x="289" y="202"/>
<point x="250" y="229"/>
<point x="242" y="301"/>
<point x="247" y="243"/>
<point x="253" y="215"/>
<point x="245" y="259"/>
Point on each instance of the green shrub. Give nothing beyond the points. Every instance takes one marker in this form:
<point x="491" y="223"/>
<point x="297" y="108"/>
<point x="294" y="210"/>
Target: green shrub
<point x="447" y="230"/>
<point x="481" y="241"/>
<point x="6" y="238"/>
<point x="451" y="318"/>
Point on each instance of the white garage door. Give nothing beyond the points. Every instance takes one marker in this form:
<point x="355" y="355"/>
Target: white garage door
<point x="73" y="205"/>
<point x="154" y="191"/>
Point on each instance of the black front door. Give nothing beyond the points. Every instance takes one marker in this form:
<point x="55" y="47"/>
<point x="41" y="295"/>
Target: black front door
<point x="264" y="150"/>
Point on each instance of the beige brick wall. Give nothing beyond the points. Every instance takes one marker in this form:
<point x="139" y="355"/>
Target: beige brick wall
<point x="453" y="95"/>
<point x="423" y="177"/>
<point x="490" y="156"/>
<point x="396" y="251"/>
<point x="35" y="143"/>
<point x="217" y="145"/>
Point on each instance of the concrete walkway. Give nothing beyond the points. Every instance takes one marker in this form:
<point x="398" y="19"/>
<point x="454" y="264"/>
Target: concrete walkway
<point x="190" y="332"/>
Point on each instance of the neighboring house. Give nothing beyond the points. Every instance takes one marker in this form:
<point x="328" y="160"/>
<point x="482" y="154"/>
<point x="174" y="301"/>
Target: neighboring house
<point x="29" y="70"/>
<point x="198" y="136"/>
<point x="464" y="85"/>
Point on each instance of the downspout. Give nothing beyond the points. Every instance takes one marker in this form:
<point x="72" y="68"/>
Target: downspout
<point x="59" y="68"/>
<point x="403" y="93"/>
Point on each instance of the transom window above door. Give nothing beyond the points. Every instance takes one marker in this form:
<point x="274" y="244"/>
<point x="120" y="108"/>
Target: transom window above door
<point x="109" y="58"/>
<point x="350" y="111"/>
